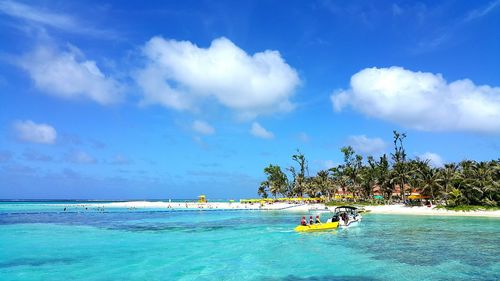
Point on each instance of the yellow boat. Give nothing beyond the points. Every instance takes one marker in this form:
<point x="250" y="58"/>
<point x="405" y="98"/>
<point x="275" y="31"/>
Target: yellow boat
<point x="317" y="227"/>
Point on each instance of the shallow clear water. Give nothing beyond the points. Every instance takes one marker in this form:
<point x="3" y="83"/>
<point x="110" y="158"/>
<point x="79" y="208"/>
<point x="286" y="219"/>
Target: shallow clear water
<point x="41" y="242"/>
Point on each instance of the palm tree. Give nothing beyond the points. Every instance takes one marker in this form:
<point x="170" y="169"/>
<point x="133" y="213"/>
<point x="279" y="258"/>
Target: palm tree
<point x="401" y="173"/>
<point x="383" y="178"/>
<point x="448" y="175"/>
<point x="262" y="191"/>
<point x="276" y="182"/>
<point x="312" y="187"/>
<point x="469" y="182"/>
<point x="323" y="183"/>
<point x="351" y="168"/>
<point x="429" y="179"/>
<point x="339" y="179"/>
<point x="485" y="181"/>
<point x="368" y="179"/>
<point x="495" y="171"/>
<point x="455" y="197"/>
<point x="300" y="176"/>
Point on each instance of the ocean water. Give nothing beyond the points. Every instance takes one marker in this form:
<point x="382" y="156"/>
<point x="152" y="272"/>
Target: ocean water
<point x="40" y="241"/>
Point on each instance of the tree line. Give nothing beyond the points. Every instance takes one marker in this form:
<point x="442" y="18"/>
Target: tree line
<point x="394" y="177"/>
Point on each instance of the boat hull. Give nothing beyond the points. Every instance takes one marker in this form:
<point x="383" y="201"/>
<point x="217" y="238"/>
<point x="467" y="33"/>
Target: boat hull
<point x="317" y="227"/>
<point x="351" y="222"/>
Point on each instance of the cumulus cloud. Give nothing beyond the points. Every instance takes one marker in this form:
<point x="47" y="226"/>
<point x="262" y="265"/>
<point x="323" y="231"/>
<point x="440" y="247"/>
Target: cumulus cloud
<point x="202" y="127"/>
<point x="367" y="146"/>
<point x="433" y="158"/>
<point x="179" y="74"/>
<point x="260" y="132"/>
<point x="422" y="100"/>
<point x="29" y="131"/>
<point x="67" y="74"/>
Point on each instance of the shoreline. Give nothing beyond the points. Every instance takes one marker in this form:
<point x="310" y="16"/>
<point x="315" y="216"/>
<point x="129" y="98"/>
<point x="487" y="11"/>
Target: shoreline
<point x="288" y="207"/>
<point x="428" y="211"/>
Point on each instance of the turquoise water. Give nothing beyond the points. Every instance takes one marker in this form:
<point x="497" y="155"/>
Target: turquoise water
<point x="41" y="242"/>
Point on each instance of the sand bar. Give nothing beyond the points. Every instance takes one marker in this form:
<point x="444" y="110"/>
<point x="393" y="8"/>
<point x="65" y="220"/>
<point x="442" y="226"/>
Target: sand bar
<point x="291" y="207"/>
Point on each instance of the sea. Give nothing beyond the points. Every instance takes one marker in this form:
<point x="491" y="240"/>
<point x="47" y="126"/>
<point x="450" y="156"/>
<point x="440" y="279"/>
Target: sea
<point x="68" y="240"/>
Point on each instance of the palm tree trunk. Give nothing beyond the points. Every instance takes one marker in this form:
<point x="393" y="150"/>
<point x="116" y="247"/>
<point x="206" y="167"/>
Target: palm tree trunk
<point x="403" y="190"/>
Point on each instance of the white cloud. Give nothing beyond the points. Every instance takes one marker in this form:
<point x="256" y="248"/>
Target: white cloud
<point x="80" y="157"/>
<point x="367" y="146"/>
<point x="422" y="100"/>
<point x="202" y="127"/>
<point x="29" y="13"/>
<point x="179" y="74"/>
<point x="483" y="11"/>
<point x="433" y="158"/>
<point x="68" y="74"/>
<point x="259" y="131"/>
<point x="44" y="17"/>
<point x="29" y="131"/>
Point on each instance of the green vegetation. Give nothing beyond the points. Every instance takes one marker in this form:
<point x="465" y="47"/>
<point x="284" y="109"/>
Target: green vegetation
<point x="463" y="185"/>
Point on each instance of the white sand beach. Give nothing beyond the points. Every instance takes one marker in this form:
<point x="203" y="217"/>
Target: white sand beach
<point x="427" y="211"/>
<point x="202" y="206"/>
<point x="291" y="207"/>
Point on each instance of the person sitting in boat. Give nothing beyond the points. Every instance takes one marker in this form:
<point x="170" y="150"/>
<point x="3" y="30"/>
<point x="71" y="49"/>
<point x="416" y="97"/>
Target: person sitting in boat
<point x="334" y="218"/>
<point x="317" y="219"/>
<point x="311" y="221"/>
<point x="303" y="221"/>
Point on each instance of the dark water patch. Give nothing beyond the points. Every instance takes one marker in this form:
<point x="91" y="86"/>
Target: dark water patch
<point x="151" y="221"/>
<point x="168" y="227"/>
<point x="426" y="241"/>
<point x="200" y="226"/>
<point x="36" y="262"/>
<point x="320" y="278"/>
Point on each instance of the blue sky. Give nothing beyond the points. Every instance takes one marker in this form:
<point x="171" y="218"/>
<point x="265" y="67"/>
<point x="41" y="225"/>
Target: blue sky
<point x="137" y="99"/>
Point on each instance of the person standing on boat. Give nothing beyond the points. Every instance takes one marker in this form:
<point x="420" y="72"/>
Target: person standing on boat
<point x="345" y="218"/>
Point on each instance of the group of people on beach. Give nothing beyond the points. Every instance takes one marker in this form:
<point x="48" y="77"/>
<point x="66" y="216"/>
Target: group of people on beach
<point x="80" y="208"/>
<point x="303" y="221"/>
